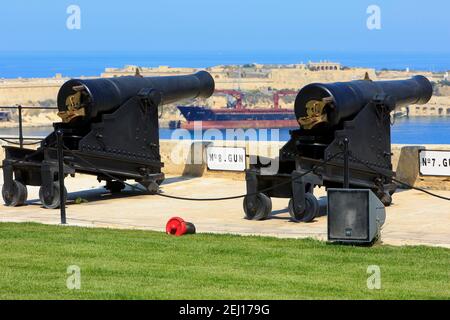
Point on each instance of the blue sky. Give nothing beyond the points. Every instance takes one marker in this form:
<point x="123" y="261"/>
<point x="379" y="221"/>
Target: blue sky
<point x="225" y="25"/>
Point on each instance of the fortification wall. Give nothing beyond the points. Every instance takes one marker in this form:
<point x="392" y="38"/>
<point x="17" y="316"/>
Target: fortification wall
<point x="438" y="106"/>
<point x="28" y="91"/>
<point x="297" y="78"/>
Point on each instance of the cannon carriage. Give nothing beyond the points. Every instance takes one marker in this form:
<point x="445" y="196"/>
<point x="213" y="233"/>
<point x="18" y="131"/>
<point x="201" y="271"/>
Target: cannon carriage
<point x="344" y="128"/>
<point x="109" y="129"/>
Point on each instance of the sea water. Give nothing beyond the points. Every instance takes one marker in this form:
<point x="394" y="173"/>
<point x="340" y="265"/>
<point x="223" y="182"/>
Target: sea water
<point x="414" y="130"/>
<point x="75" y="64"/>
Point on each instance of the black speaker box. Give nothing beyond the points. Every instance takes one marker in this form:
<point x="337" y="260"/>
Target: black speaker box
<point x="354" y="215"/>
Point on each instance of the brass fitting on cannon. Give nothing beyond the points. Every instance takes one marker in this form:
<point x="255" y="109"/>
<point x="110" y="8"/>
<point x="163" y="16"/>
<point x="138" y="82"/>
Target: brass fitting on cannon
<point x="74" y="107"/>
<point x="315" y="113"/>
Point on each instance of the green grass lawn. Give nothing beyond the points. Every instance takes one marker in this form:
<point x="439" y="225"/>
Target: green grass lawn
<point x="125" y="264"/>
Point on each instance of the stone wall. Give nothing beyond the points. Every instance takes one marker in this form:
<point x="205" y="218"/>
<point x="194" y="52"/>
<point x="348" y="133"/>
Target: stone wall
<point x="291" y="78"/>
<point x="186" y="158"/>
<point x="28" y="91"/>
<point x="437" y="106"/>
<point x="405" y="163"/>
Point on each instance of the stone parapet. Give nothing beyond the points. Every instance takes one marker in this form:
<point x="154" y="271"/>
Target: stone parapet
<point x="187" y="158"/>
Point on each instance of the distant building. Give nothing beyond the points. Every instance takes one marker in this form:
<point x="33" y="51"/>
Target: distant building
<point x="130" y="70"/>
<point x="323" y="66"/>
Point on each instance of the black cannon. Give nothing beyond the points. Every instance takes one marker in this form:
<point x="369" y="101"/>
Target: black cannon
<point x="109" y="129"/>
<point x="344" y="140"/>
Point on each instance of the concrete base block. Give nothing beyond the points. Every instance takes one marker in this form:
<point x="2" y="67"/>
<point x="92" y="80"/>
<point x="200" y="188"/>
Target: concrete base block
<point x="196" y="164"/>
<point x="408" y="165"/>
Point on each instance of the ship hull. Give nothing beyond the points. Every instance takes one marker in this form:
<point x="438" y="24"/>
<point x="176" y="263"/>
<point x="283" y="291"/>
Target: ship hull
<point x="237" y="118"/>
<point x="239" y="124"/>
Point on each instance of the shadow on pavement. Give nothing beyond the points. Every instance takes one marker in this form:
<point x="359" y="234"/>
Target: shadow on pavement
<point x="101" y="194"/>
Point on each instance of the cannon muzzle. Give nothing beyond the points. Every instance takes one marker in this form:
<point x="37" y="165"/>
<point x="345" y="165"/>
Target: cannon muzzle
<point x="328" y="104"/>
<point x="89" y="98"/>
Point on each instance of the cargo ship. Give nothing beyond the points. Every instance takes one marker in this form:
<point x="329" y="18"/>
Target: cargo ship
<point x="237" y="116"/>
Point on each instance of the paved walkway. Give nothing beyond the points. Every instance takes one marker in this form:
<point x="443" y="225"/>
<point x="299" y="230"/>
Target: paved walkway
<point x="414" y="218"/>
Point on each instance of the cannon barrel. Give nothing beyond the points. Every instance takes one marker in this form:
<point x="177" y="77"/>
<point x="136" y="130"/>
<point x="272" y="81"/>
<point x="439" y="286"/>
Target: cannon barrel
<point x="87" y="98"/>
<point x="330" y="103"/>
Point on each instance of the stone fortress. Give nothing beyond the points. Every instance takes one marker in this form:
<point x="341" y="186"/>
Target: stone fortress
<point x="256" y="81"/>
